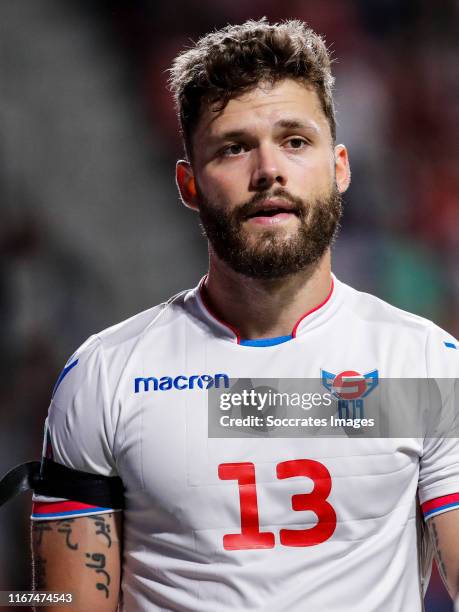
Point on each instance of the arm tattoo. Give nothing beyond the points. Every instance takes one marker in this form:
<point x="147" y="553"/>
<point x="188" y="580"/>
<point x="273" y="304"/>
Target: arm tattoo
<point x="102" y="527"/>
<point x="65" y="526"/>
<point x="98" y="564"/>
<point x="39" y="562"/>
<point x="95" y="561"/>
<point x="440" y="562"/>
<point x="38" y="530"/>
<point x="39" y="573"/>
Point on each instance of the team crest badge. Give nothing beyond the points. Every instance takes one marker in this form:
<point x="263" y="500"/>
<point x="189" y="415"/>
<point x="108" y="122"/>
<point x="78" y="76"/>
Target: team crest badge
<point x="350" y="388"/>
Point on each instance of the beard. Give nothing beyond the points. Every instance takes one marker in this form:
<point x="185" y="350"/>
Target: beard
<point x="272" y="253"/>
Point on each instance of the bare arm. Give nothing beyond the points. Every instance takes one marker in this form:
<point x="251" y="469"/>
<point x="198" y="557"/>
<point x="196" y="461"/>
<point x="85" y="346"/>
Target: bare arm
<point x="80" y="556"/>
<point x="444" y="533"/>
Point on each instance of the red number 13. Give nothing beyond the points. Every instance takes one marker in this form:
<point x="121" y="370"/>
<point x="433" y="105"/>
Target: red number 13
<point x="316" y="501"/>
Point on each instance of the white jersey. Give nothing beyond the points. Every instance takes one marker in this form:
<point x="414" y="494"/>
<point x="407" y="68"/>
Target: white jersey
<point x="278" y="524"/>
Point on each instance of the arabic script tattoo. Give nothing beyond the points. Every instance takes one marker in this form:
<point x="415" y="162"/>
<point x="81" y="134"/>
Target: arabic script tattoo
<point x="65" y="526"/>
<point x="97" y="563"/>
<point x="102" y="527"/>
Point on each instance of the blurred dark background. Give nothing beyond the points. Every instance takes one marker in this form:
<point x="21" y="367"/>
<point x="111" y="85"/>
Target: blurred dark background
<point x="91" y="230"/>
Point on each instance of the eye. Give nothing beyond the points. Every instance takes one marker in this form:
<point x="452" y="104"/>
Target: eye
<point x="233" y="150"/>
<point x="297" y="143"/>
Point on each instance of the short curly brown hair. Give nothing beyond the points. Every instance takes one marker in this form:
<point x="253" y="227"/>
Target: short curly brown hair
<point x="233" y="60"/>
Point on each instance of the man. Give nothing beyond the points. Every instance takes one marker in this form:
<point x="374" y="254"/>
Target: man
<point x="279" y="524"/>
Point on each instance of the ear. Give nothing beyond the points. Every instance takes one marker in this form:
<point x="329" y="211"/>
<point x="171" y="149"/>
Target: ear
<point x="342" y="168"/>
<point x="184" y="177"/>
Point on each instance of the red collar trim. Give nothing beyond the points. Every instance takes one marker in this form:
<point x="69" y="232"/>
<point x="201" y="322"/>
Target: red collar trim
<point x="202" y="294"/>
<point x="295" y="329"/>
<point x="212" y="313"/>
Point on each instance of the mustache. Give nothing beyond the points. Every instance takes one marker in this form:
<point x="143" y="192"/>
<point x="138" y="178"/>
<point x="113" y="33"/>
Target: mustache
<point x="252" y="206"/>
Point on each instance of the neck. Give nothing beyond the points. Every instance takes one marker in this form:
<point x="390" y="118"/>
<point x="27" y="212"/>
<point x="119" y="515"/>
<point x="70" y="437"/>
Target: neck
<point x="265" y="308"/>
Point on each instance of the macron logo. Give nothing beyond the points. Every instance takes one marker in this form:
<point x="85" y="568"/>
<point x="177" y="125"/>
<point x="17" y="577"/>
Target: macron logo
<point x="165" y="383"/>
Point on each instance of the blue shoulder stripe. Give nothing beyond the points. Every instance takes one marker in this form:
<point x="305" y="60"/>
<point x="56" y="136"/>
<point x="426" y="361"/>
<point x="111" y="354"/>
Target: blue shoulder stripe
<point x="62" y="375"/>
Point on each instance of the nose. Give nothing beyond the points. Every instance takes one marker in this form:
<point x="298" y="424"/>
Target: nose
<point x="268" y="170"/>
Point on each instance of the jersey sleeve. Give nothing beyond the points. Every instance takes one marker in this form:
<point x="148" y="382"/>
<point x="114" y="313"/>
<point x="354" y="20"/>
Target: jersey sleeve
<point x="79" y="430"/>
<point x="439" y="465"/>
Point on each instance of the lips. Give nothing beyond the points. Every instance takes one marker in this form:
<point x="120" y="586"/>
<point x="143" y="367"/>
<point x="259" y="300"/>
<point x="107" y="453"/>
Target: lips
<point x="273" y="207"/>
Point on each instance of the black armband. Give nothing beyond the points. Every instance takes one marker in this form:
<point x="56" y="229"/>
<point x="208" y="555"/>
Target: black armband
<point x="55" y="480"/>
